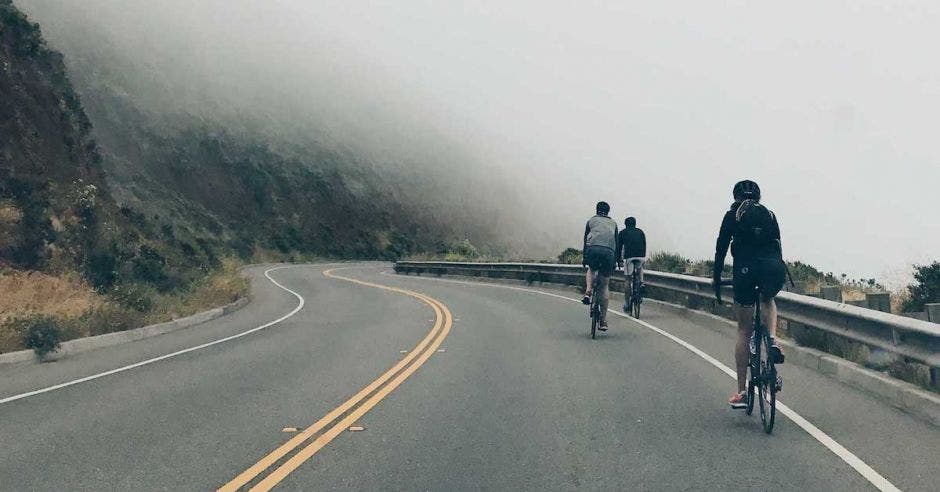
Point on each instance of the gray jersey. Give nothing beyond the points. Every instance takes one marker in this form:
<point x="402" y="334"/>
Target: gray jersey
<point x="601" y="231"/>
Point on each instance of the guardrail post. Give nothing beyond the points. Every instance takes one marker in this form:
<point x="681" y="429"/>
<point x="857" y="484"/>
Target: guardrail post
<point x="832" y="293"/>
<point x="933" y="312"/>
<point x="880" y="301"/>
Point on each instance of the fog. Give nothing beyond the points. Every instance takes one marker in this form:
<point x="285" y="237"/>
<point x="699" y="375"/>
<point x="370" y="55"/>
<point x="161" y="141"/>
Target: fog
<point x="656" y="107"/>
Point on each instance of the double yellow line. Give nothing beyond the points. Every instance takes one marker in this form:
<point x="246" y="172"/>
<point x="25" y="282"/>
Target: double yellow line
<point x="354" y="408"/>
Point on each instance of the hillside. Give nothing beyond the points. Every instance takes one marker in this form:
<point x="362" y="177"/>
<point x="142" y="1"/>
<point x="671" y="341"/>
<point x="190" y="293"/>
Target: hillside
<point x="217" y="160"/>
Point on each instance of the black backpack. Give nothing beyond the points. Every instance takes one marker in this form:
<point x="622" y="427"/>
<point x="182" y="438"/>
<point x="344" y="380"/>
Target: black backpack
<point x="755" y="224"/>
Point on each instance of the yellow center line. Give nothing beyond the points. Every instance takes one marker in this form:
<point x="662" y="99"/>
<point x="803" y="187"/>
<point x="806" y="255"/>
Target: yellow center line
<point x="442" y="325"/>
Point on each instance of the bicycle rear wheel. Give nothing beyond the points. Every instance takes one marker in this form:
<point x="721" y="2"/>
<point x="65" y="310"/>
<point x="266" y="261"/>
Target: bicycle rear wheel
<point x="767" y="387"/>
<point x="753" y="375"/>
<point x="595" y="319"/>
<point x="636" y="307"/>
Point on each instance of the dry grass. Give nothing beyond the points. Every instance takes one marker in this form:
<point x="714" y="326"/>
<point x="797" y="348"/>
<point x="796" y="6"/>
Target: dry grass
<point x="82" y="312"/>
<point x="25" y="293"/>
<point x="221" y="287"/>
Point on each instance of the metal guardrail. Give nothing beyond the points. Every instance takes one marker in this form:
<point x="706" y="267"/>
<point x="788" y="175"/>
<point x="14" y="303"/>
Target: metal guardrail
<point x="912" y="339"/>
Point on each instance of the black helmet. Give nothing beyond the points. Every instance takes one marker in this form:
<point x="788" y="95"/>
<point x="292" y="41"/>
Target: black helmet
<point x="603" y="208"/>
<point x="746" y="190"/>
<point x="630" y="222"/>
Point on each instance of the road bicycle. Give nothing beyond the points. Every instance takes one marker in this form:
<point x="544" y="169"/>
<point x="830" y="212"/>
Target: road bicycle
<point x="762" y="370"/>
<point x="595" y="304"/>
<point x="633" y="303"/>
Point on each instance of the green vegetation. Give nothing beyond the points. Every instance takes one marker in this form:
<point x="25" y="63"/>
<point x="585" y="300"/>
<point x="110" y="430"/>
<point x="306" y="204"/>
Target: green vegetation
<point x="926" y="287"/>
<point x="668" y="262"/>
<point x="570" y="256"/>
<point x="39" y="332"/>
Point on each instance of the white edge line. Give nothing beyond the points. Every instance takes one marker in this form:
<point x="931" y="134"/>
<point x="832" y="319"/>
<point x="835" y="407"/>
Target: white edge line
<point x="866" y="471"/>
<point x="135" y="365"/>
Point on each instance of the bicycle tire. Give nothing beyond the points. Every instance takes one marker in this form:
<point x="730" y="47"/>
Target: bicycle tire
<point x="769" y="379"/>
<point x="636" y="309"/>
<point x="750" y="397"/>
<point x="753" y="374"/>
<point x="594" y="321"/>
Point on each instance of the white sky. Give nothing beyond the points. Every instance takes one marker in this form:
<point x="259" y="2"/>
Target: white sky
<point x="658" y="107"/>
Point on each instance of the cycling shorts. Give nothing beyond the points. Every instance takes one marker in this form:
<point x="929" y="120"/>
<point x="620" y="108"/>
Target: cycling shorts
<point x="600" y="259"/>
<point x="768" y="273"/>
<point x="633" y="264"/>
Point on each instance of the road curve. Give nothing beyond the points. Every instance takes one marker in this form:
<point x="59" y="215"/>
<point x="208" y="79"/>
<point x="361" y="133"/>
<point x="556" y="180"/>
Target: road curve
<point x="510" y="393"/>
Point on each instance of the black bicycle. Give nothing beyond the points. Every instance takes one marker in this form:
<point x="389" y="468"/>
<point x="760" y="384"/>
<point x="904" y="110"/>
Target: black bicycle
<point x="595" y="304"/>
<point x="762" y="370"/>
<point x="636" y="292"/>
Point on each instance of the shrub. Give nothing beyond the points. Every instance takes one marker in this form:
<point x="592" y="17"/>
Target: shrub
<point x="134" y="296"/>
<point x="461" y="250"/>
<point x="150" y="266"/>
<point x="40" y="333"/>
<point x="668" y="262"/>
<point x="101" y="270"/>
<point x="570" y="256"/>
<point x="926" y="286"/>
<point x="706" y="268"/>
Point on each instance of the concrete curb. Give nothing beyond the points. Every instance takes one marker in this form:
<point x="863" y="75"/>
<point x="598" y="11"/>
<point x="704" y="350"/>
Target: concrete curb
<point x="119" y="337"/>
<point x="899" y="394"/>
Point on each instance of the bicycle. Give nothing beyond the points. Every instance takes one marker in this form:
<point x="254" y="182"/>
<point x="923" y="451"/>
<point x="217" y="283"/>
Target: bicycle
<point x="762" y="370"/>
<point x="636" y="294"/>
<point x="595" y="305"/>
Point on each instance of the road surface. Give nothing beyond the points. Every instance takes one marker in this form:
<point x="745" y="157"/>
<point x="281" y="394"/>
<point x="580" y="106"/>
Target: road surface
<point x="455" y="385"/>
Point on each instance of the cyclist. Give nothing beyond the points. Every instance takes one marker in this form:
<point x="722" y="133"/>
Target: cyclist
<point x="631" y="249"/>
<point x="753" y="233"/>
<point x="600" y="242"/>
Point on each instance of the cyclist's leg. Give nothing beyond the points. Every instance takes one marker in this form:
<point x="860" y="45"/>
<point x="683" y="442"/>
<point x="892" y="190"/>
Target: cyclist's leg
<point x="742" y="351"/>
<point x="744" y="300"/>
<point x="768" y="315"/>
<point x="604" y="285"/>
<point x="772" y="277"/>
<point x="628" y="270"/>
<point x="627" y="287"/>
<point x="606" y="267"/>
<point x="588" y="281"/>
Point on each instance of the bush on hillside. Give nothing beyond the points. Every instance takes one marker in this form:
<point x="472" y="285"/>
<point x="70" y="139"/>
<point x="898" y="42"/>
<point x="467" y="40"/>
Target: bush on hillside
<point x="668" y="262"/>
<point x="41" y="333"/>
<point x="926" y="287"/>
<point x="570" y="256"/>
<point x="134" y="296"/>
<point x="461" y="251"/>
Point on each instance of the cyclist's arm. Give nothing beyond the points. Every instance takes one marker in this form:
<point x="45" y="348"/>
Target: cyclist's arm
<point x="616" y="242"/>
<point x="618" y="253"/>
<point x="775" y="233"/>
<point x="587" y="230"/>
<point x="643" y="243"/>
<point x="725" y="235"/>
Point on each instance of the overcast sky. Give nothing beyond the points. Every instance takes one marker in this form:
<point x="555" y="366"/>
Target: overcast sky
<point x="658" y="107"/>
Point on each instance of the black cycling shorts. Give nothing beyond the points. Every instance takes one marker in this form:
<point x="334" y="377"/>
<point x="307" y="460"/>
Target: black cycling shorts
<point x="600" y="259"/>
<point x="768" y="273"/>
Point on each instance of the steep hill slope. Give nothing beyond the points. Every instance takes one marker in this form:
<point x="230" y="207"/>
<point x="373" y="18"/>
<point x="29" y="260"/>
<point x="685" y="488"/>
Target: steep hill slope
<point x="211" y="159"/>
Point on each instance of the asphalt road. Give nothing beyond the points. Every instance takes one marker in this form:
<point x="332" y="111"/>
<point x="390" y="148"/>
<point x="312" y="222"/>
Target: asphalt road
<point x="490" y="387"/>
